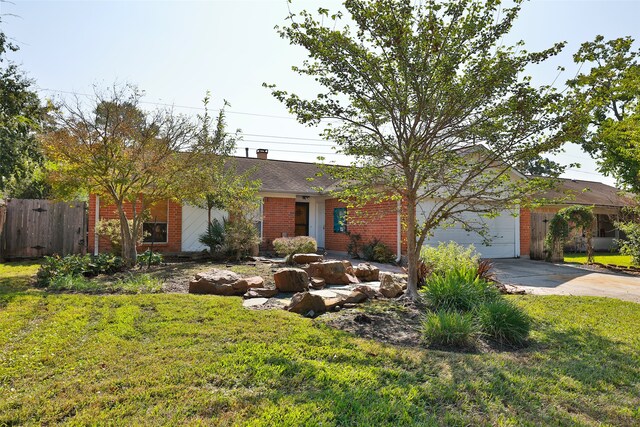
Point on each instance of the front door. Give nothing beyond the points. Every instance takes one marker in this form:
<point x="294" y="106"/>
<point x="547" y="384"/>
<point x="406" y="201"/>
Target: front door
<point x="302" y="219"/>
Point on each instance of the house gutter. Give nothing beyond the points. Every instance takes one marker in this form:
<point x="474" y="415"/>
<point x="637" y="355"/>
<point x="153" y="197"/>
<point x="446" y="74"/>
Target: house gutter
<point x="399" y="233"/>
<point x="95" y="227"/>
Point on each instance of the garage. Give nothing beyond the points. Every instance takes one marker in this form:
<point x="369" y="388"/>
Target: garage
<point x="501" y="241"/>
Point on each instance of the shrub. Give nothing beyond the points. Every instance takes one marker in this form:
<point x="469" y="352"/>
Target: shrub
<point x="449" y="328"/>
<point x="287" y="246"/>
<point x="241" y="236"/>
<point x="75" y="283"/>
<point x="77" y="265"/>
<point x="354" y="247"/>
<point x="150" y="258"/>
<point x="110" y="229"/>
<point x="448" y="256"/>
<point x="214" y="237"/>
<point x="378" y="252"/>
<point x="503" y="322"/>
<point x="631" y="244"/>
<point x="459" y="289"/>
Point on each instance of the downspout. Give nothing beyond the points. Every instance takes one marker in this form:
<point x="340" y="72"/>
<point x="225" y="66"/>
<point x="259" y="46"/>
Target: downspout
<point x="399" y="232"/>
<point x="96" y="238"/>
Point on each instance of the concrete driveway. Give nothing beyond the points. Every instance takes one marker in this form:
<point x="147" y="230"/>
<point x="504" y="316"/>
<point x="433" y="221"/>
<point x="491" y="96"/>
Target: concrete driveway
<point x="544" y="278"/>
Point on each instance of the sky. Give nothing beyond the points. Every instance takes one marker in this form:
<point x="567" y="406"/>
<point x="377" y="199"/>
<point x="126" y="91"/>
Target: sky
<point x="176" y="51"/>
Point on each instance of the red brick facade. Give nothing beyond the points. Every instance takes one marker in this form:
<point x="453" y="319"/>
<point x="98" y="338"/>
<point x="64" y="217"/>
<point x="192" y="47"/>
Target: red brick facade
<point x="174" y="227"/>
<point x="278" y="219"/>
<point x="372" y="221"/>
<point x="525" y="231"/>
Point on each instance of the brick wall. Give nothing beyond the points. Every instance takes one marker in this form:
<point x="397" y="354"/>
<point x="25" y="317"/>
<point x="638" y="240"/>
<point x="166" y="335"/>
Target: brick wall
<point x="174" y="227"/>
<point x="525" y="231"/>
<point x="279" y="217"/>
<point x="371" y="221"/>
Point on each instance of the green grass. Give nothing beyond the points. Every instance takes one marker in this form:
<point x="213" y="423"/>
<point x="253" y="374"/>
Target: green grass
<point x="601" y="257"/>
<point x="167" y="359"/>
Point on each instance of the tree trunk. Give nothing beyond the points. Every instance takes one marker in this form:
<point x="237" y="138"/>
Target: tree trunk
<point x="129" y="253"/>
<point x="412" y="252"/>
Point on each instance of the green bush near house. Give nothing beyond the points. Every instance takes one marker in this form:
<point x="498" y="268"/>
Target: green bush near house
<point x="449" y="328"/>
<point x="377" y="251"/>
<point x="77" y="265"/>
<point x="449" y="256"/>
<point x="288" y="246"/>
<point x="150" y="258"/>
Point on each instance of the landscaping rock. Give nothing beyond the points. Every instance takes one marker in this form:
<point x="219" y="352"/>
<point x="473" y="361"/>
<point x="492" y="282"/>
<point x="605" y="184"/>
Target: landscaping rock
<point x="333" y="272"/>
<point x="349" y="267"/>
<point x="390" y="285"/>
<point x="291" y="280"/>
<point x="368" y="291"/>
<point x="333" y="304"/>
<point x="355" y="297"/>
<point x="218" y="282"/>
<point x="317" y="283"/>
<point x="367" y="272"/>
<point x="261" y="293"/>
<point x="307" y="304"/>
<point x="255" y="281"/>
<point x="307" y="258"/>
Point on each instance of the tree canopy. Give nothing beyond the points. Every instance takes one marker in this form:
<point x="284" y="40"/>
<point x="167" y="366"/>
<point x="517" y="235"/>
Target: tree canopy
<point x="431" y="105"/>
<point x="21" y="116"/>
<point x="606" y="108"/>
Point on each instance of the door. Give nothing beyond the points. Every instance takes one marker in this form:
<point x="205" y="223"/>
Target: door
<point x="302" y="219"/>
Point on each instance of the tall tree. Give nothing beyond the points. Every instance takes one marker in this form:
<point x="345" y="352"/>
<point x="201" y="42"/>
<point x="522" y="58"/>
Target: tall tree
<point x="432" y="105"/>
<point x="127" y="156"/>
<point x="605" y="103"/>
<point x="21" y="116"/>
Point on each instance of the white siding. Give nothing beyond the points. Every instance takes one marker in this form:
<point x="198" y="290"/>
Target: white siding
<point x="194" y="223"/>
<point x="503" y="234"/>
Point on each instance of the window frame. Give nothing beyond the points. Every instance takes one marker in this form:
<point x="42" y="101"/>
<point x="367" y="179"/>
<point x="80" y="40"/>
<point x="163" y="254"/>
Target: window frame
<point x="154" y="223"/>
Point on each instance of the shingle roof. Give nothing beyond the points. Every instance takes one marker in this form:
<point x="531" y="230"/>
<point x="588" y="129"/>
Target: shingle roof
<point x="587" y="193"/>
<point x="283" y="176"/>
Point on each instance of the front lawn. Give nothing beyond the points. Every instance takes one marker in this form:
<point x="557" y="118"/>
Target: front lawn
<point x="601" y="257"/>
<point x="184" y="359"/>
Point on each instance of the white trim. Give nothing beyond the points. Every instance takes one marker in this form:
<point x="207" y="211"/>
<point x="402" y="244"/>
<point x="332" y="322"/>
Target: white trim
<point x="96" y="237"/>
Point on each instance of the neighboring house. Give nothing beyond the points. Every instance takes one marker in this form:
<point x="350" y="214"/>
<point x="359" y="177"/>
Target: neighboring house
<point x="292" y="206"/>
<point x="607" y="202"/>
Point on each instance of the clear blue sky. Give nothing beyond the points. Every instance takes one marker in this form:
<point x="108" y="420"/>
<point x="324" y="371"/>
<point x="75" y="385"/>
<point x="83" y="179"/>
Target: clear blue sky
<point x="177" y="50"/>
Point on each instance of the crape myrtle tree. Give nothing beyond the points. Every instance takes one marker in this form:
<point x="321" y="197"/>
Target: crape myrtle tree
<point x="430" y="104"/>
<point x="111" y="147"/>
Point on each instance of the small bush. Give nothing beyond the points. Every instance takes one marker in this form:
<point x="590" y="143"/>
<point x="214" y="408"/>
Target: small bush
<point x="459" y="289"/>
<point x="110" y="229"/>
<point x="214" y="238"/>
<point x="503" y="322"/>
<point x="354" y="247"/>
<point x="241" y="236"/>
<point x="77" y="265"/>
<point x="631" y="244"/>
<point x="150" y="258"/>
<point x="448" y="256"/>
<point x="378" y="252"/>
<point x="449" y="328"/>
<point x="287" y="246"/>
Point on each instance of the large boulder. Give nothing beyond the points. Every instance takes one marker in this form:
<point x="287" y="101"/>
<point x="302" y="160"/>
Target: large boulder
<point x="367" y="272"/>
<point x="390" y="285"/>
<point x="291" y="280"/>
<point x="307" y="304"/>
<point x="218" y="282"/>
<point x="307" y="258"/>
<point x="261" y="293"/>
<point x="368" y="291"/>
<point x="333" y="272"/>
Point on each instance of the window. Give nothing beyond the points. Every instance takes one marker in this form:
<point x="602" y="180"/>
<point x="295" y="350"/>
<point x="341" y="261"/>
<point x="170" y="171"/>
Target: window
<point x="340" y="220"/>
<point x="605" y="227"/>
<point x="155" y="228"/>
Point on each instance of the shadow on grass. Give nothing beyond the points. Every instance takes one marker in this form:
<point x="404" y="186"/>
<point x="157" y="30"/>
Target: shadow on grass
<point x="16" y="278"/>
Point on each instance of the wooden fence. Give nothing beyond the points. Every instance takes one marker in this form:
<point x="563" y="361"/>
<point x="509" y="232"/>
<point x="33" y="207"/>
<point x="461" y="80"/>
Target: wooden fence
<point x="539" y="227"/>
<point x="34" y="228"/>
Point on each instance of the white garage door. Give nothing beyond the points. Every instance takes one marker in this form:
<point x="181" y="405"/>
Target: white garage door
<point x="502" y="235"/>
<point x="194" y="223"/>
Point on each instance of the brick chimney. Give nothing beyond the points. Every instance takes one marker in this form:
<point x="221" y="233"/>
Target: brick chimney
<point x="262" y="153"/>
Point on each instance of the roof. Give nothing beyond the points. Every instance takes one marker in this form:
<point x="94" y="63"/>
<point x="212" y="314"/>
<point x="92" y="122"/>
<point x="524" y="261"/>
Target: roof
<point x="587" y="193"/>
<point x="285" y="176"/>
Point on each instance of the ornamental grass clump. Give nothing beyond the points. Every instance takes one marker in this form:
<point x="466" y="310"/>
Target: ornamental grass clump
<point x="459" y="289"/>
<point x="288" y="246"/>
<point x="450" y="329"/>
<point x="504" y="323"/>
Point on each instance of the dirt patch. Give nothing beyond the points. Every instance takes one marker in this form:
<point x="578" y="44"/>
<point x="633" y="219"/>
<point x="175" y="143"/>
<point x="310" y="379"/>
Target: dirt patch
<point x="391" y="322"/>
